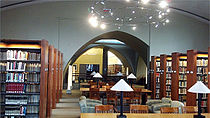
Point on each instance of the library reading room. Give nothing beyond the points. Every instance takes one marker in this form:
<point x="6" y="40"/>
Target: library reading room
<point x="105" y="59"/>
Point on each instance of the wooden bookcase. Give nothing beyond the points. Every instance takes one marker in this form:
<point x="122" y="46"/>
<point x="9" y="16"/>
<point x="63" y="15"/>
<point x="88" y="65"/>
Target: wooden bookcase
<point x="179" y="78"/>
<point x="50" y="81"/>
<point x="61" y="75"/>
<point x="155" y="77"/>
<point x="197" y="69"/>
<point x="58" y="78"/>
<point x="54" y="98"/>
<point x="24" y="71"/>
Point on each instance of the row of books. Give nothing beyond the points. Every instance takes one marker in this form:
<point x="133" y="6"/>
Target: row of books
<point x="168" y="88"/>
<point x="33" y="88"/>
<point x="158" y="64"/>
<point x="203" y="103"/>
<point x="158" y="69"/>
<point x="204" y="96"/>
<point x="203" y="79"/>
<point x="182" y="77"/>
<point x="157" y="96"/>
<point x="169" y="63"/>
<point x="3" y="66"/>
<point x="202" y="62"/>
<point x="15" y="88"/>
<point x="33" y="67"/>
<point x="3" y="77"/>
<point x="183" y="83"/>
<point x="32" y="77"/>
<point x="16" y="101"/>
<point x="16" y="66"/>
<point x="168" y="69"/>
<point x="168" y="75"/>
<point x="15" y="77"/>
<point x="32" y="109"/>
<point x="157" y="79"/>
<point x="168" y="82"/>
<point x="168" y="94"/>
<point x="15" y="110"/>
<point x="182" y="70"/>
<point x="182" y="91"/>
<point x="33" y="98"/>
<point x="21" y="55"/>
<point x="201" y="70"/>
<point x="183" y="63"/>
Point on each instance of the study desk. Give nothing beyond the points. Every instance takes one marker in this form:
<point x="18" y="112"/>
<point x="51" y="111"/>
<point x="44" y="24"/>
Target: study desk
<point x="102" y="90"/>
<point x="134" y="115"/>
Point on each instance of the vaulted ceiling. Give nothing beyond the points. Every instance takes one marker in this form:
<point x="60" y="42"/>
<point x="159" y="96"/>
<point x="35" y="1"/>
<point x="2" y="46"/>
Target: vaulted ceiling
<point x="199" y="9"/>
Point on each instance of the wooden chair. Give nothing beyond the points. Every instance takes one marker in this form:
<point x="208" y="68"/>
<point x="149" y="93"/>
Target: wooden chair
<point x="104" y="109"/>
<point x="127" y="96"/>
<point x="171" y="110"/>
<point x="136" y="98"/>
<point x="189" y="109"/>
<point x="94" y="93"/>
<point x="139" y="109"/>
<point x="111" y="96"/>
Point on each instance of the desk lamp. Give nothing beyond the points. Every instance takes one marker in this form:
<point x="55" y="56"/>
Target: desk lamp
<point x="121" y="86"/>
<point x="97" y="76"/>
<point x="131" y="77"/>
<point x="199" y="88"/>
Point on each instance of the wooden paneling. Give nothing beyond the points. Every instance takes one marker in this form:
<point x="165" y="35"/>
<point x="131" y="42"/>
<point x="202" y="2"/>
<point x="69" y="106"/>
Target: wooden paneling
<point x="191" y="76"/>
<point x="54" y="78"/>
<point x="153" y="76"/>
<point x="61" y="75"/>
<point x="58" y="78"/>
<point x="43" y="81"/>
<point x="50" y="81"/>
<point x="208" y="101"/>
<point x="163" y="76"/>
<point x="175" y="77"/>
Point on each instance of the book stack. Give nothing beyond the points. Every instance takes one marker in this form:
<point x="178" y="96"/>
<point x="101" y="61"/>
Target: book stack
<point x="16" y="66"/>
<point x="15" y="88"/>
<point x="15" y="77"/>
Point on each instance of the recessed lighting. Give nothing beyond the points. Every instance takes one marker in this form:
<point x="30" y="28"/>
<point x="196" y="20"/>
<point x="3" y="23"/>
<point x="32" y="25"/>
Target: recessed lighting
<point x="127" y="0"/>
<point x="167" y="21"/>
<point x="103" y="26"/>
<point x="92" y="7"/>
<point x="93" y="21"/>
<point x="130" y="19"/>
<point x="133" y="12"/>
<point x="168" y="10"/>
<point x="102" y="16"/>
<point x="156" y="25"/>
<point x="150" y="17"/>
<point x="117" y="18"/>
<point x="159" y="16"/>
<point x="134" y="28"/>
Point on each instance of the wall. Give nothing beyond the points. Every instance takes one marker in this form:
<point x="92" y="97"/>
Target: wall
<point x="141" y="69"/>
<point x="91" y="56"/>
<point x="65" y="25"/>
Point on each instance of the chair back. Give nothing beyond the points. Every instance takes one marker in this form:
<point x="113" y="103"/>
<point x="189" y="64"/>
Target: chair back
<point x="104" y="109"/>
<point x="189" y="109"/>
<point x="139" y="109"/>
<point x="111" y="95"/>
<point x="172" y="110"/>
<point x="94" y="93"/>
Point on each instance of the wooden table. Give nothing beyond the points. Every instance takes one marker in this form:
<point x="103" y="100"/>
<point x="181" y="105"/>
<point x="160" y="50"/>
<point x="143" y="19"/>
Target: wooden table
<point x="143" y="91"/>
<point x="133" y="115"/>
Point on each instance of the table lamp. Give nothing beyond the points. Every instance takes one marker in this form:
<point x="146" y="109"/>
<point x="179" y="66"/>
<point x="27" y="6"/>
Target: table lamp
<point x="199" y="88"/>
<point x="97" y="76"/>
<point x="121" y="86"/>
<point x="131" y="77"/>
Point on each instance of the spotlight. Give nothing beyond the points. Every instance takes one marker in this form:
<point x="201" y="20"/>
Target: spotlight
<point x="92" y="7"/>
<point x="103" y="26"/>
<point x="145" y="1"/>
<point x="168" y="10"/>
<point x="102" y="16"/>
<point x="127" y="0"/>
<point x="111" y="13"/>
<point x="134" y="28"/>
<point x="133" y="12"/>
<point x="163" y="4"/>
<point x="160" y="16"/>
<point x="117" y="18"/>
<point x="167" y="21"/>
<point x="93" y="21"/>
<point x="150" y="17"/>
<point x="130" y="19"/>
<point x="118" y="27"/>
<point x="156" y="25"/>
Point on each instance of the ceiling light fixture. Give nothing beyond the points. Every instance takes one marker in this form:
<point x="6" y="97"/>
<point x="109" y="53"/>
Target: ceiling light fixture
<point x="129" y="15"/>
<point x="103" y="26"/>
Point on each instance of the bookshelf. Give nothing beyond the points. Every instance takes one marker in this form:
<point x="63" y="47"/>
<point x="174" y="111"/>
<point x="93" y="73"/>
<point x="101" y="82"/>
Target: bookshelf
<point x="179" y="78"/>
<point x="54" y="78"/>
<point x="58" y="78"/>
<point x="50" y="81"/>
<point x="197" y="69"/>
<point x="168" y="76"/>
<point x="153" y="76"/>
<point x="24" y="68"/>
<point x="163" y="76"/>
<point x="61" y="75"/>
<point x="157" y="78"/>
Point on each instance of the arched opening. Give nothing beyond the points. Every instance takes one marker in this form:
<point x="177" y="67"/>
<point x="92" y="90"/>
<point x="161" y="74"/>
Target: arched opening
<point x="131" y="51"/>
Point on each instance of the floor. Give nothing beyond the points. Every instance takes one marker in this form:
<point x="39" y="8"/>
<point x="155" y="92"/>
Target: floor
<point x="68" y="106"/>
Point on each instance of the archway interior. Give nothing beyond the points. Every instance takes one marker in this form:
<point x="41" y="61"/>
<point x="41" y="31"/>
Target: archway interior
<point x="132" y="52"/>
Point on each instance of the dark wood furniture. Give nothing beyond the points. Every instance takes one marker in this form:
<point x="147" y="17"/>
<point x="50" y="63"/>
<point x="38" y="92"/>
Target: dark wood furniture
<point x="104" y="109"/>
<point x="111" y="96"/>
<point x="139" y="108"/>
<point x="94" y="93"/>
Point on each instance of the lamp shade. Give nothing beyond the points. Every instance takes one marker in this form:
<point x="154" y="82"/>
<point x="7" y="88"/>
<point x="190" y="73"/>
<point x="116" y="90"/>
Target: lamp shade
<point x="131" y="76"/>
<point x="93" y="73"/>
<point x="119" y="74"/>
<point x="199" y="87"/>
<point x="97" y="75"/>
<point x="121" y="86"/>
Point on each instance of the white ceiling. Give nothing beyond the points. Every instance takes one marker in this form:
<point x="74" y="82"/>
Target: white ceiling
<point x="199" y="9"/>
